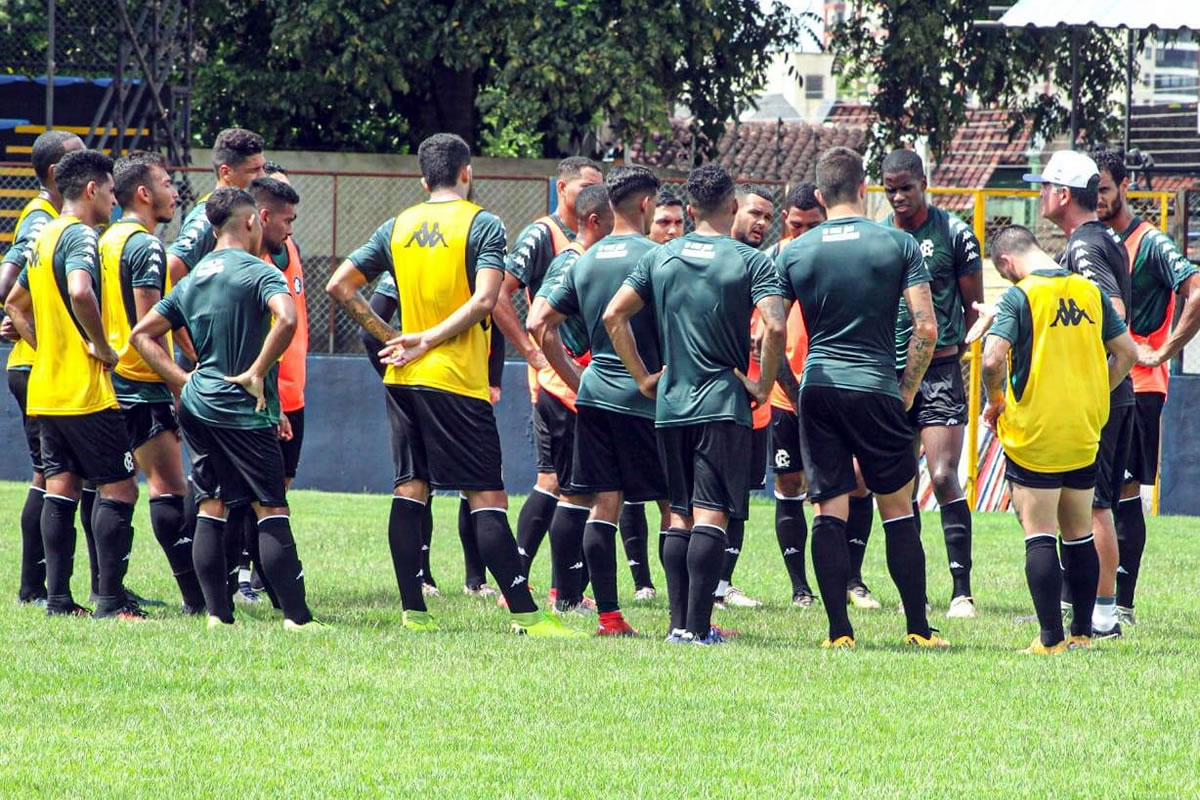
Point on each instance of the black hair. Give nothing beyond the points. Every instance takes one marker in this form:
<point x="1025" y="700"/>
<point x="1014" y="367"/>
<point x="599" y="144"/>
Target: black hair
<point x="78" y="168"/>
<point x="592" y="200"/>
<point x="272" y="191"/>
<point x="573" y="166"/>
<point x="667" y="197"/>
<point x="224" y="203"/>
<point x="48" y="150"/>
<point x="442" y="155"/>
<point x="629" y="183"/>
<point x="904" y="161"/>
<point x="235" y="145"/>
<point x="273" y="167"/>
<point x="708" y="187"/>
<point x="1011" y="239"/>
<point x="1112" y="162"/>
<point x="744" y="189"/>
<point x="839" y="174"/>
<point x="133" y="171"/>
<point x="1087" y="198"/>
<point x="803" y="196"/>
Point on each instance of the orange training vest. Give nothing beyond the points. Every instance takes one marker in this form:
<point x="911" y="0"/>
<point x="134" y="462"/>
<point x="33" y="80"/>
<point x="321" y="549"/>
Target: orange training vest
<point x="1149" y="379"/>
<point x="293" y="366"/>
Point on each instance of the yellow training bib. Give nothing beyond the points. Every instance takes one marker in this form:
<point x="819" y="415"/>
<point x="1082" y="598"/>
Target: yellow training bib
<point x="118" y="309"/>
<point x="22" y="352"/>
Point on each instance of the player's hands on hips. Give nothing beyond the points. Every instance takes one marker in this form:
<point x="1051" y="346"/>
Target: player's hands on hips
<point x="103" y="353"/>
<point x="987" y="313"/>
<point x="254" y="385"/>
<point x="758" y="394"/>
<point x="992" y="412"/>
<point x="404" y="349"/>
<point x="285" y="428"/>
<point x="9" y="331"/>
<point x="493" y="394"/>
<point x="649" y="385"/>
<point x="1147" y="356"/>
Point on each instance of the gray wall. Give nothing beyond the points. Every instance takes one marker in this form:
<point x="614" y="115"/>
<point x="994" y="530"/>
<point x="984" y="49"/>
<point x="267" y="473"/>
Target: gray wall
<point x="1180" y="451"/>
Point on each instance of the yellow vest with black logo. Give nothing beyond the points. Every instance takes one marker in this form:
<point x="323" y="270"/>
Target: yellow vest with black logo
<point x="1055" y="424"/>
<point x="114" y="309"/>
<point x="22" y="352"/>
<point x="65" y="380"/>
<point x="429" y="261"/>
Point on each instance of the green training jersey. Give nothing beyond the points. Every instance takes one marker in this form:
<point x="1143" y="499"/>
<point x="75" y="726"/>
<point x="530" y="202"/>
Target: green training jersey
<point x="143" y="266"/>
<point x="531" y="254"/>
<point x="849" y="275"/>
<point x="1159" y="269"/>
<point x="951" y="251"/>
<point x="583" y="292"/>
<point x="24" y="237"/>
<point x="196" y="237"/>
<point x="223" y="305"/>
<point x="703" y="290"/>
<point x="572" y="331"/>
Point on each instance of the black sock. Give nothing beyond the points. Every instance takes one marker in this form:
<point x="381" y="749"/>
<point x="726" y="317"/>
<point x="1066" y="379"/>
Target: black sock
<point x="1044" y="576"/>
<point x="1083" y="567"/>
<point x="427" y="542"/>
<point x="792" y="533"/>
<point x="499" y="551"/>
<point x="600" y="553"/>
<point x="532" y="524"/>
<point x="87" y="508"/>
<point x="246" y="561"/>
<point x="568" y="543"/>
<point x="251" y="538"/>
<point x="1131" y="542"/>
<point x="234" y="541"/>
<point x="472" y="561"/>
<point x="209" y="561"/>
<point x="113" y="527"/>
<point x="705" y="559"/>
<point x="674" y="558"/>
<point x="282" y="568"/>
<point x="635" y="536"/>
<point x="167" y="522"/>
<point x="58" y="539"/>
<point x="33" y="551"/>
<point x="917" y="516"/>
<point x="735" y="537"/>
<point x="956" y="528"/>
<point x="404" y="539"/>
<point x="858" y="533"/>
<point x="906" y="565"/>
<point x="831" y="563"/>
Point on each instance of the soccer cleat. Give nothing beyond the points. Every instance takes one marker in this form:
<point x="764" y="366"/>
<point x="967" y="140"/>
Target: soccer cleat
<point x="429" y="590"/>
<point x="312" y="626"/>
<point x="962" y="607"/>
<point x="719" y="604"/>
<point x="840" y="643"/>
<point x="738" y="599"/>
<point x="419" y="622"/>
<point x="612" y="623"/>
<point x="1125" y="616"/>
<point x="547" y="626"/>
<point x="1110" y="633"/>
<point x="1068" y="612"/>
<point x="216" y="623"/>
<point x="645" y="594"/>
<point x="32" y="602"/>
<point x="804" y="599"/>
<point x="482" y="590"/>
<point x="932" y="640"/>
<point x="1039" y="649"/>
<point x="245" y="594"/>
<point x="860" y="597"/>
<point x="678" y="636"/>
<point x="714" y="638"/>
<point x="1080" y="642"/>
<point x="72" y="610"/>
<point x="725" y="633"/>
<point x="138" y="600"/>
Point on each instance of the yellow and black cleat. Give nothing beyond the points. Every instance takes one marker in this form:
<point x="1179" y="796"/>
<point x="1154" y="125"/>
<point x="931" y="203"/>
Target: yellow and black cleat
<point x="932" y="640"/>
<point x="840" y="643"/>
<point x="1039" y="649"/>
<point x="1079" y="643"/>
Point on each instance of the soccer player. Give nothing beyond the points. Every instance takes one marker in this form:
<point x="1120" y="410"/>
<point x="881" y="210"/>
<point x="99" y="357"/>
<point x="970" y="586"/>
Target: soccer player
<point x="133" y="269"/>
<point x="668" y="216"/>
<point x="526" y="266"/>
<point x="56" y="307"/>
<point x="848" y="276"/>
<point x="241" y="317"/>
<point x="237" y="158"/>
<point x="446" y="256"/>
<point x="803" y="214"/>
<point x="48" y="148"/>
<point x="1070" y="194"/>
<point x="939" y="413"/>
<point x="1159" y="273"/>
<point x="1050" y="335"/>
<point x="703" y="405"/>
<point x="616" y="456"/>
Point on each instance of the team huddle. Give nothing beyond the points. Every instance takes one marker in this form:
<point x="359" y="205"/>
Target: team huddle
<point x="664" y="367"/>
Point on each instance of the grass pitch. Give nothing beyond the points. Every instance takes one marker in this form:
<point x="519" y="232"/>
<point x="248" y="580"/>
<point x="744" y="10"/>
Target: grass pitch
<point x="100" y="709"/>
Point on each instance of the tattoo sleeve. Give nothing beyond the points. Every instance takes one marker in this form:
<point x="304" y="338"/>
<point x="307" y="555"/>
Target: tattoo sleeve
<point x="995" y="360"/>
<point x="922" y="344"/>
<point x="774" y="313"/>
<point x="362" y="313"/>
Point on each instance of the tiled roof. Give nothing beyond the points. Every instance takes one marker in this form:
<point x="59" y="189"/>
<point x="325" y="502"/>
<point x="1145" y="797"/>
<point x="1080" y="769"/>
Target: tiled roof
<point x="858" y="115"/>
<point x="1172" y="183"/>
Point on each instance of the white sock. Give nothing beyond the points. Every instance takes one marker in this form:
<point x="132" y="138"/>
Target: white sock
<point x="1105" y="613"/>
<point x="722" y="588"/>
<point x="243" y="576"/>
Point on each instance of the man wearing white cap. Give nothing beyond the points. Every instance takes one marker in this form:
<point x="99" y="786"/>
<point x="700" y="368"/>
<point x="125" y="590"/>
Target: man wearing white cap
<point x="1070" y="193"/>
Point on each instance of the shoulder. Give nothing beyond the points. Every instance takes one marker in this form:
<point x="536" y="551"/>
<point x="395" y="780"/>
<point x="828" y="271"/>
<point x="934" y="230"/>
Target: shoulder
<point x="487" y="222"/>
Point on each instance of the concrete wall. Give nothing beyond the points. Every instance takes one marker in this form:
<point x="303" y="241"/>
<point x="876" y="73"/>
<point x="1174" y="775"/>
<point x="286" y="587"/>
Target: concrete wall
<point x="1181" y="448"/>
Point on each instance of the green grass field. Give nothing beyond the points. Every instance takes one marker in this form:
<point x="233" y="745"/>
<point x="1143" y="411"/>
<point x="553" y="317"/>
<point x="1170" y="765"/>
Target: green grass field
<point x="95" y="709"/>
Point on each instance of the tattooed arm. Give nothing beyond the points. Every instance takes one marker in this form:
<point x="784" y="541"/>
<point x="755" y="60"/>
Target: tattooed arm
<point x="923" y="342"/>
<point x="344" y="288"/>
<point x="995" y="363"/>
<point x="773" y="315"/>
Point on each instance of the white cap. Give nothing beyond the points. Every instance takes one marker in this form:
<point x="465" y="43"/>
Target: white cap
<point x="1066" y="168"/>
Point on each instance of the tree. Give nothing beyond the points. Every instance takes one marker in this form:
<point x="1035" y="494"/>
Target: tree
<point x="928" y="61"/>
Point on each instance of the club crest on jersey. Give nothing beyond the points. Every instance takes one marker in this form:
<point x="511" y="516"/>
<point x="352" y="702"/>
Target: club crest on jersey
<point x="297" y="285"/>
<point x="427" y="237"/>
<point x="927" y="248"/>
<point x="1069" y="313"/>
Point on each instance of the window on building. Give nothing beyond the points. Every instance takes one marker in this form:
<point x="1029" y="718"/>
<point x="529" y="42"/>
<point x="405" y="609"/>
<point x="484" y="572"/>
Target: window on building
<point x="814" y="87"/>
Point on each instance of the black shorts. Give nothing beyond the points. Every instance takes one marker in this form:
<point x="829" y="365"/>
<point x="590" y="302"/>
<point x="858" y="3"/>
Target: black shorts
<point x="1142" y="464"/>
<point x="448" y="440"/>
<point x="617" y="452"/>
<point x="93" y="446"/>
<point x="1115" y="441"/>
<point x="291" y="447"/>
<point x="839" y="425"/>
<point x="706" y="466"/>
<point x="234" y="465"/>
<point x="18" y="383"/>
<point x="941" y="400"/>
<point x="144" y="421"/>
<point x="785" y="442"/>
<point x="1081" y="479"/>
<point x="760" y="441"/>
<point x="542" y="454"/>
<point x="556" y="424"/>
